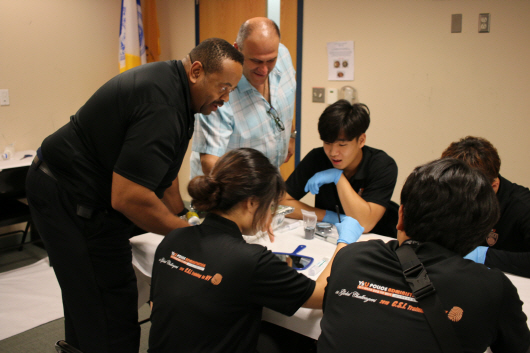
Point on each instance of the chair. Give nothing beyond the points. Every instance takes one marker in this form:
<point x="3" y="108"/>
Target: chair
<point x="13" y="212"/>
<point x="63" y="347"/>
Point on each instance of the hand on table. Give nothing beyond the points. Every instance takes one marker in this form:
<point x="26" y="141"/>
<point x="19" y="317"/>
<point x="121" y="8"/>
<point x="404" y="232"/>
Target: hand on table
<point x="349" y="230"/>
<point x="324" y="177"/>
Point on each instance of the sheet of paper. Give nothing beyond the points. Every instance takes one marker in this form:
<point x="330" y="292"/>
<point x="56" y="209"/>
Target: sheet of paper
<point x="340" y="61"/>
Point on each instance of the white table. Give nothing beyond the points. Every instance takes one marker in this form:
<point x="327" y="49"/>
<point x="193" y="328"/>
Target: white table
<point x="18" y="160"/>
<point x="304" y="321"/>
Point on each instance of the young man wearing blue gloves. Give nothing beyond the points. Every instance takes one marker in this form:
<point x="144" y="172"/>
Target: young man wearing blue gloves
<point x="345" y="174"/>
<point x="451" y="304"/>
<point x="507" y="246"/>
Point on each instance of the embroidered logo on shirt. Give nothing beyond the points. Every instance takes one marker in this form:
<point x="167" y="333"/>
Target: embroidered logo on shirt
<point x="492" y="238"/>
<point x="187" y="261"/>
<point x="216" y="279"/>
<point x="397" y="299"/>
<point x="455" y="314"/>
<point x="191" y="263"/>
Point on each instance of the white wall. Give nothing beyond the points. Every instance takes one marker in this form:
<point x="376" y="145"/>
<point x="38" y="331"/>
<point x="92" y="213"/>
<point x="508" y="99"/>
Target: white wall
<point x="425" y="86"/>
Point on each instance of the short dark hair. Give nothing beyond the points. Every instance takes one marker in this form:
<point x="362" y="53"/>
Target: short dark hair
<point x="238" y="175"/>
<point x="478" y="153"/>
<point x="212" y="52"/>
<point x="248" y="27"/>
<point x="449" y="203"/>
<point x="352" y="120"/>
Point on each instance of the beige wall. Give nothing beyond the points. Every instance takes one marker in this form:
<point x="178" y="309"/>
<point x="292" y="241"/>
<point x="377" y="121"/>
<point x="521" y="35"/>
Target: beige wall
<point x="55" y="54"/>
<point x="425" y="86"/>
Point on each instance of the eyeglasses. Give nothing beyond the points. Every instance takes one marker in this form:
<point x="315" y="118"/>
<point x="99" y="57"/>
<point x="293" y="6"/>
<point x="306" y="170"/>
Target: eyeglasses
<point x="224" y="90"/>
<point x="274" y="115"/>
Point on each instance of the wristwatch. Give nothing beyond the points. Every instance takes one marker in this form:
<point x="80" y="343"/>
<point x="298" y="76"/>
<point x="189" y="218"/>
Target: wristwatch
<point x="293" y="134"/>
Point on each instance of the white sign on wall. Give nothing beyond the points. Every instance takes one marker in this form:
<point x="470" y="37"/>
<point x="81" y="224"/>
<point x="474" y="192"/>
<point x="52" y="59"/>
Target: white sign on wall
<point x="340" y="61"/>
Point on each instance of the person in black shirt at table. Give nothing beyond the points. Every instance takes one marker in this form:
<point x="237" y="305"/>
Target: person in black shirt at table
<point x="346" y="173"/>
<point x="447" y="208"/>
<point x="208" y="285"/>
<point x="507" y="246"/>
<point x="114" y="166"/>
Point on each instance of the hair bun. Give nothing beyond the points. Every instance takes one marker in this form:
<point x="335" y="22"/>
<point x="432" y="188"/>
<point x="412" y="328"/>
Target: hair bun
<point x="205" y="193"/>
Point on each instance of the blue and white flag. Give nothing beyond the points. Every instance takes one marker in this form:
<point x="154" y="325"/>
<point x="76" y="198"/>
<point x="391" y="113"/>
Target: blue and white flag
<point x="132" y="41"/>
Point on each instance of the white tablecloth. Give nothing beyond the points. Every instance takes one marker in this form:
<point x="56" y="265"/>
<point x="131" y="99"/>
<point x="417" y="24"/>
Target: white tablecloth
<point x="304" y="321"/>
<point x="19" y="159"/>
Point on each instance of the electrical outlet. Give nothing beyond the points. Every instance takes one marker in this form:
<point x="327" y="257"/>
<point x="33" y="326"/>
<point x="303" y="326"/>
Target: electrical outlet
<point x="484" y="23"/>
<point x="4" y="97"/>
<point x="319" y="95"/>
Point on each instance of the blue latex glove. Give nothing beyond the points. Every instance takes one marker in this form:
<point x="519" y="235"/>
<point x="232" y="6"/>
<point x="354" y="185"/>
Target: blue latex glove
<point x="349" y="230"/>
<point x="324" y="177"/>
<point x="478" y="255"/>
<point x="332" y="217"/>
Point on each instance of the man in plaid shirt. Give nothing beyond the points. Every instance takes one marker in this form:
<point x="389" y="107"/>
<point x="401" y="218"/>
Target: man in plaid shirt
<point x="260" y="111"/>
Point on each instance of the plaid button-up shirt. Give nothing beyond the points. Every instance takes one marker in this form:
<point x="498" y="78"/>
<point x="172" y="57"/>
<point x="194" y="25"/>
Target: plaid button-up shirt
<point x="244" y="121"/>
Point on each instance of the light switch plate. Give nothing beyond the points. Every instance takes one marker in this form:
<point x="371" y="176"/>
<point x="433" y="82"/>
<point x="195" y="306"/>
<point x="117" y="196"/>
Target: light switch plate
<point x="456" y="23"/>
<point x="319" y="95"/>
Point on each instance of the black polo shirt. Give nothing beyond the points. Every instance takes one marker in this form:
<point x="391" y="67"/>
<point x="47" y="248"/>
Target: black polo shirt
<point x="374" y="181"/>
<point x="509" y="240"/>
<point x="138" y="125"/>
<point x="512" y="231"/>
<point x="368" y="306"/>
<point x="209" y="288"/>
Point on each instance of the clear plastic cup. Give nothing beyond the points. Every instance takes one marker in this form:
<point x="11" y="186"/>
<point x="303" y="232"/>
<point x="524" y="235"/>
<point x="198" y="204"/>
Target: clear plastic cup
<point x="310" y="222"/>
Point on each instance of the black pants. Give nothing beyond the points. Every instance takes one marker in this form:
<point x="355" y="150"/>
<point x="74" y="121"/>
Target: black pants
<point x="92" y="260"/>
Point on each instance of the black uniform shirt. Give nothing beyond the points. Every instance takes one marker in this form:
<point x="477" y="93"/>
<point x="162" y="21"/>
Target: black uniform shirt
<point x="368" y="306"/>
<point x="374" y="181"/>
<point x="138" y="125"/>
<point x="512" y="231"/>
<point x="509" y="240"/>
<point x="209" y="287"/>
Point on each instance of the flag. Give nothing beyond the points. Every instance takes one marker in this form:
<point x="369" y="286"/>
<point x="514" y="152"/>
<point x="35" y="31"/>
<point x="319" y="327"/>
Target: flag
<point x="132" y="42"/>
<point x="152" y="32"/>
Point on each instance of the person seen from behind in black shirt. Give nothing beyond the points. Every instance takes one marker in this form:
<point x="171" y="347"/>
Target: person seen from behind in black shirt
<point x="209" y="286"/>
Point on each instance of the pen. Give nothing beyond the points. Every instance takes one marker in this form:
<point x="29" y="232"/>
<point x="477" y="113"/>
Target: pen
<point x="318" y="267"/>
<point x="338" y="213"/>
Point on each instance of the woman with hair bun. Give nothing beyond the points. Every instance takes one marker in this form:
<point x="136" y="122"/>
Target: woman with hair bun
<point x="209" y="286"/>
